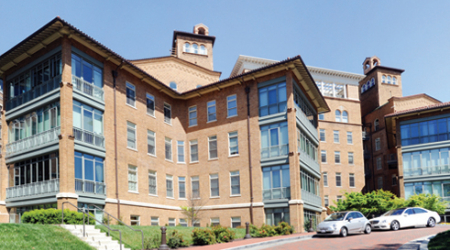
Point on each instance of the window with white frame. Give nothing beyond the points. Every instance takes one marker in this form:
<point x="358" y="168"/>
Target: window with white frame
<point x="326" y="201"/>
<point x="168" y="149"/>
<point x="215" y="221"/>
<point x="336" y="136"/>
<point x="379" y="163"/>
<point x="377" y="144"/>
<point x="212" y="147"/>
<point x="339" y="198"/>
<point x="150" y="105"/>
<point x="325" y="179"/>
<point x="337" y="157"/>
<point x="151" y="143"/>
<point x="193" y="144"/>
<point x="322" y="134"/>
<point x="181" y="187"/>
<point x="350" y="158"/>
<point x="345" y="116"/>
<point x="338" y="180"/>
<point x="192" y="116"/>
<point x="380" y="182"/>
<point x="235" y="181"/>
<point x="214" y="183"/>
<point x="183" y="222"/>
<point x="235" y="222"/>
<point x="351" y="180"/>
<point x="167" y="113"/>
<point x="134" y="220"/>
<point x="180" y="152"/>
<point x="211" y="109"/>
<point x="233" y="143"/>
<point x="131" y="94"/>
<point x="376" y="124"/>
<point x="349" y="137"/>
<point x="132" y="179"/>
<point x="337" y="114"/>
<point x="194" y="48"/>
<point x="321" y="117"/>
<point x="202" y="50"/>
<point x="172" y="222"/>
<point x="169" y="186"/>
<point x="131" y="135"/>
<point x="152" y="183"/>
<point x="323" y="156"/>
<point x="195" y="184"/>
<point x="231" y="106"/>
<point x="187" y="47"/>
<point x="154" y="221"/>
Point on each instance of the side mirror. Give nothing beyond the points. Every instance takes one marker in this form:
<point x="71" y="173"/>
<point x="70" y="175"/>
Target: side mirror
<point x="350" y="219"/>
<point x="406" y="215"/>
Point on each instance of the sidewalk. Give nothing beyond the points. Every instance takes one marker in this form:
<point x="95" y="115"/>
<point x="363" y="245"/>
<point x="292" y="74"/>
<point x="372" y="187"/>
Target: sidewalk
<point x="242" y="244"/>
<point x="418" y="244"/>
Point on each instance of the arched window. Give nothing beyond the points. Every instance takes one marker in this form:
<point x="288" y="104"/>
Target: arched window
<point x="338" y="115"/>
<point x="202" y="50"/>
<point x="372" y="82"/>
<point x="375" y="125"/>
<point x="394" y="80"/>
<point x="389" y="80"/>
<point x="187" y="47"/>
<point x="195" y="48"/>
<point x="201" y="31"/>
<point x="345" y="117"/>
<point x="362" y="89"/>
<point x="173" y="85"/>
<point x="384" y="79"/>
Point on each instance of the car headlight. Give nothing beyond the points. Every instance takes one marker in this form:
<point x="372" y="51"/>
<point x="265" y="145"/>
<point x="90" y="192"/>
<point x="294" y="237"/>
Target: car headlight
<point x="334" y="226"/>
<point x="384" y="221"/>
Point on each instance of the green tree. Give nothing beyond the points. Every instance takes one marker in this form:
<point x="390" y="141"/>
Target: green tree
<point x="427" y="201"/>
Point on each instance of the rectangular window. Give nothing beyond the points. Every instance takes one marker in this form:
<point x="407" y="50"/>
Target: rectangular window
<point x="167" y="113"/>
<point x="231" y="106"/>
<point x="168" y="149"/>
<point x="193" y="116"/>
<point x="132" y="179"/>
<point x="183" y="223"/>
<point x="394" y="180"/>
<point x="212" y="147"/>
<point x="351" y="180"/>
<point x="235" y="222"/>
<point x="377" y="144"/>
<point x="131" y="135"/>
<point x="339" y="198"/>
<point x="321" y="117"/>
<point x="379" y="163"/>
<point x="326" y="201"/>
<point x="194" y="150"/>
<point x="150" y="105"/>
<point x="215" y="221"/>
<point x="152" y="183"/>
<point x="172" y="222"/>
<point x="380" y="182"/>
<point x="214" y="182"/>
<point x="88" y="171"/>
<point x="151" y="143"/>
<point x="195" y="184"/>
<point x="323" y="156"/>
<point x="274" y="140"/>
<point x="131" y="94"/>
<point x="322" y="134"/>
<point x="235" y="183"/>
<point x="338" y="180"/>
<point x="350" y="158"/>
<point x="276" y="182"/>
<point x="134" y="220"/>
<point x="336" y="136"/>
<point x="154" y="221"/>
<point x="325" y="179"/>
<point x="182" y="187"/>
<point x="180" y="151"/>
<point x="233" y="143"/>
<point x="337" y="157"/>
<point x="169" y="186"/>
<point x="211" y="109"/>
<point x="349" y="138"/>
<point x="272" y="99"/>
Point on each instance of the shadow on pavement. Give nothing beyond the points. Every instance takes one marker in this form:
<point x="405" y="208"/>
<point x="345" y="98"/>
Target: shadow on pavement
<point x="381" y="247"/>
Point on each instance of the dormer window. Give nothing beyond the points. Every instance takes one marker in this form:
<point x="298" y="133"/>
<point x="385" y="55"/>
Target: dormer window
<point x="173" y="85"/>
<point x="187" y="47"/>
<point x="195" y="48"/>
<point x="202" y="50"/>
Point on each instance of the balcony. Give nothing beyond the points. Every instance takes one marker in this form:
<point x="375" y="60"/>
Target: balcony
<point x="87" y="88"/>
<point x="89" y="137"/>
<point x="33" y="142"/>
<point x="36" y="92"/>
<point x="365" y="136"/>
<point x="434" y="170"/>
<point x="90" y="187"/>
<point x="36" y="188"/>
<point x="275" y="151"/>
<point x="277" y="193"/>
<point x="306" y="122"/>
<point x="311" y="198"/>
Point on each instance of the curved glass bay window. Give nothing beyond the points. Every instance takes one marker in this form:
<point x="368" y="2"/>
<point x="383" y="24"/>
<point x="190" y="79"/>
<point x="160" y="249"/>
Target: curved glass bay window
<point x="276" y="182"/>
<point x="89" y="174"/>
<point x="426" y="162"/>
<point x="274" y="140"/>
<point x="302" y="104"/>
<point x="425" y="132"/>
<point x="272" y="99"/>
<point x="88" y="124"/>
<point x="87" y="77"/>
<point x="440" y="188"/>
<point x="33" y="170"/>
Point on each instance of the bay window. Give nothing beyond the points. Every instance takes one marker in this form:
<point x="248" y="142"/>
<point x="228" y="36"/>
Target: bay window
<point x="272" y="99"/>
<point x="274" y="140"/>
<point x="89" y="173"/>
<point x="88" y="124"/>
<point x="276" y="182"/>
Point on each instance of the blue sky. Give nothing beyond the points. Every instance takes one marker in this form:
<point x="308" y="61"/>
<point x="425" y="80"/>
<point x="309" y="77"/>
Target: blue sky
<point x="411" y="35"/>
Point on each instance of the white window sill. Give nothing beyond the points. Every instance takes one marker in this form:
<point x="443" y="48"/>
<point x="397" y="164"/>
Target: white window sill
<point x="190" y="126"/>
<point x="337" y="143"/>
<point x="131" y="106"/>
<point x="132" y="149"/>
<point x="349" y="143"/>
<point x="151" y="115"/>
<point x="171" y="198"/>
<point x="193" y="162"/>
<point x="235" y="195"/>
<point x="231" y="156"/>
<point x="134" y="192"/>
<point x="323" y="141"/>
<point x="169" y="160"/>
<point x="214" y="159"/>
<point x="352" y="187"/>
<point x="170" y="124"/>
<point x="232" y="116"/>
<point x="154" y="195"/>
<point x="151" y="155"/>
<point x="214" y="197"/>
<point x="182" y="199"/>
<point x="211" y="121"/>
<point x="181" y="163"/>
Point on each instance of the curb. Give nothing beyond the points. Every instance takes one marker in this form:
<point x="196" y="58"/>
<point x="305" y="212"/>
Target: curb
<point x="418" y="244"/>
<point x="286" y="240"/>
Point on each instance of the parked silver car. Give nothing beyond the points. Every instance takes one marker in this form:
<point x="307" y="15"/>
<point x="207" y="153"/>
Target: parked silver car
<point x="344" y="223"/>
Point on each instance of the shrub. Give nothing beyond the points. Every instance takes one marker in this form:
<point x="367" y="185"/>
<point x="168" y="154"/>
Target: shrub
<point x="176" y="240"/>
<point x="152" y="242"/>
<point x="253" y="230"/>
<point x="53" y="216"/>
<point x="284" y="228"/>
<point x="223" y="234"/>
<point x="266" y="231"/>
<point x="203" y="237"/>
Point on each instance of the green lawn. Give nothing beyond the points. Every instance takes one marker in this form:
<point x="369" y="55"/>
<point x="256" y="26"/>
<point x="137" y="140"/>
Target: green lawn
<point x="132" y="239"/>
<point x="440" y="242"/>
<point x="38" y="237"/>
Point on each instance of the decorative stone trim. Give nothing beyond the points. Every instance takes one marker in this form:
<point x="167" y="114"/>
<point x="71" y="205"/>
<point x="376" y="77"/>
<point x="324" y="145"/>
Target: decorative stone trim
<point x="67" y="195"/>
<point x="292" y="202"/>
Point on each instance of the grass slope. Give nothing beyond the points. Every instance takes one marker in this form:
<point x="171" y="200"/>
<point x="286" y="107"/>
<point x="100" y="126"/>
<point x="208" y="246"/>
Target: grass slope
<point x="440" y="242"/>
<point x="132" y="239"/>
<point x="38" y="237"/>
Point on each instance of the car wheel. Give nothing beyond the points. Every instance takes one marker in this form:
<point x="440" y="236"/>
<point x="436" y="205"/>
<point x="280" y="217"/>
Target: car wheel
<point x="368" y="229"/>
<point x="431" y="222"/>
<point x="395" y="225"/>
<point x="344" y="232"/>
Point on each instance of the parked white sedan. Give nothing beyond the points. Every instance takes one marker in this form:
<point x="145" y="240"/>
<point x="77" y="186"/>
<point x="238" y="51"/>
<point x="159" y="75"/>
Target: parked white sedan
<point x="406" y="217"/>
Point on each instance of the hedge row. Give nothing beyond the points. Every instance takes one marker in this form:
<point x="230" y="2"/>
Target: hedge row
<point x="53" y="216"/>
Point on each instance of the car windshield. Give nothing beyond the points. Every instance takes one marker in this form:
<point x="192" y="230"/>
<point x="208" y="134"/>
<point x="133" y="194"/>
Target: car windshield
<point x="336" y="216"/>
<point x="394" y="212"/>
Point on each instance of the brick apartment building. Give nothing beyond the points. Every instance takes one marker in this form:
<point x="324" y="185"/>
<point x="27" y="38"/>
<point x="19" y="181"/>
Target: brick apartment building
<point x="141" y="138"/>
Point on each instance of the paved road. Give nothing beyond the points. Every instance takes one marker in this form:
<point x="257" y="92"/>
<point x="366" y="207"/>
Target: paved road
<point x="380" y="240"/>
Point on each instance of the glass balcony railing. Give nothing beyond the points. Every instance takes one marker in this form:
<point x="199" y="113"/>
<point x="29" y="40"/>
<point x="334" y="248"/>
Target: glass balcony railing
<point x="274" y="151"/>
<point x="35" y="188"/>
<point x="33" y="93"/>
<point x="32" y="142"/>
<point x="311" y="198"/>
<point x="87" y="88"/>
<point x="87" y="186"/>
<point x="434" y="170"/>
<point x="277" y="193"/>
<point x="89" y="137"/>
